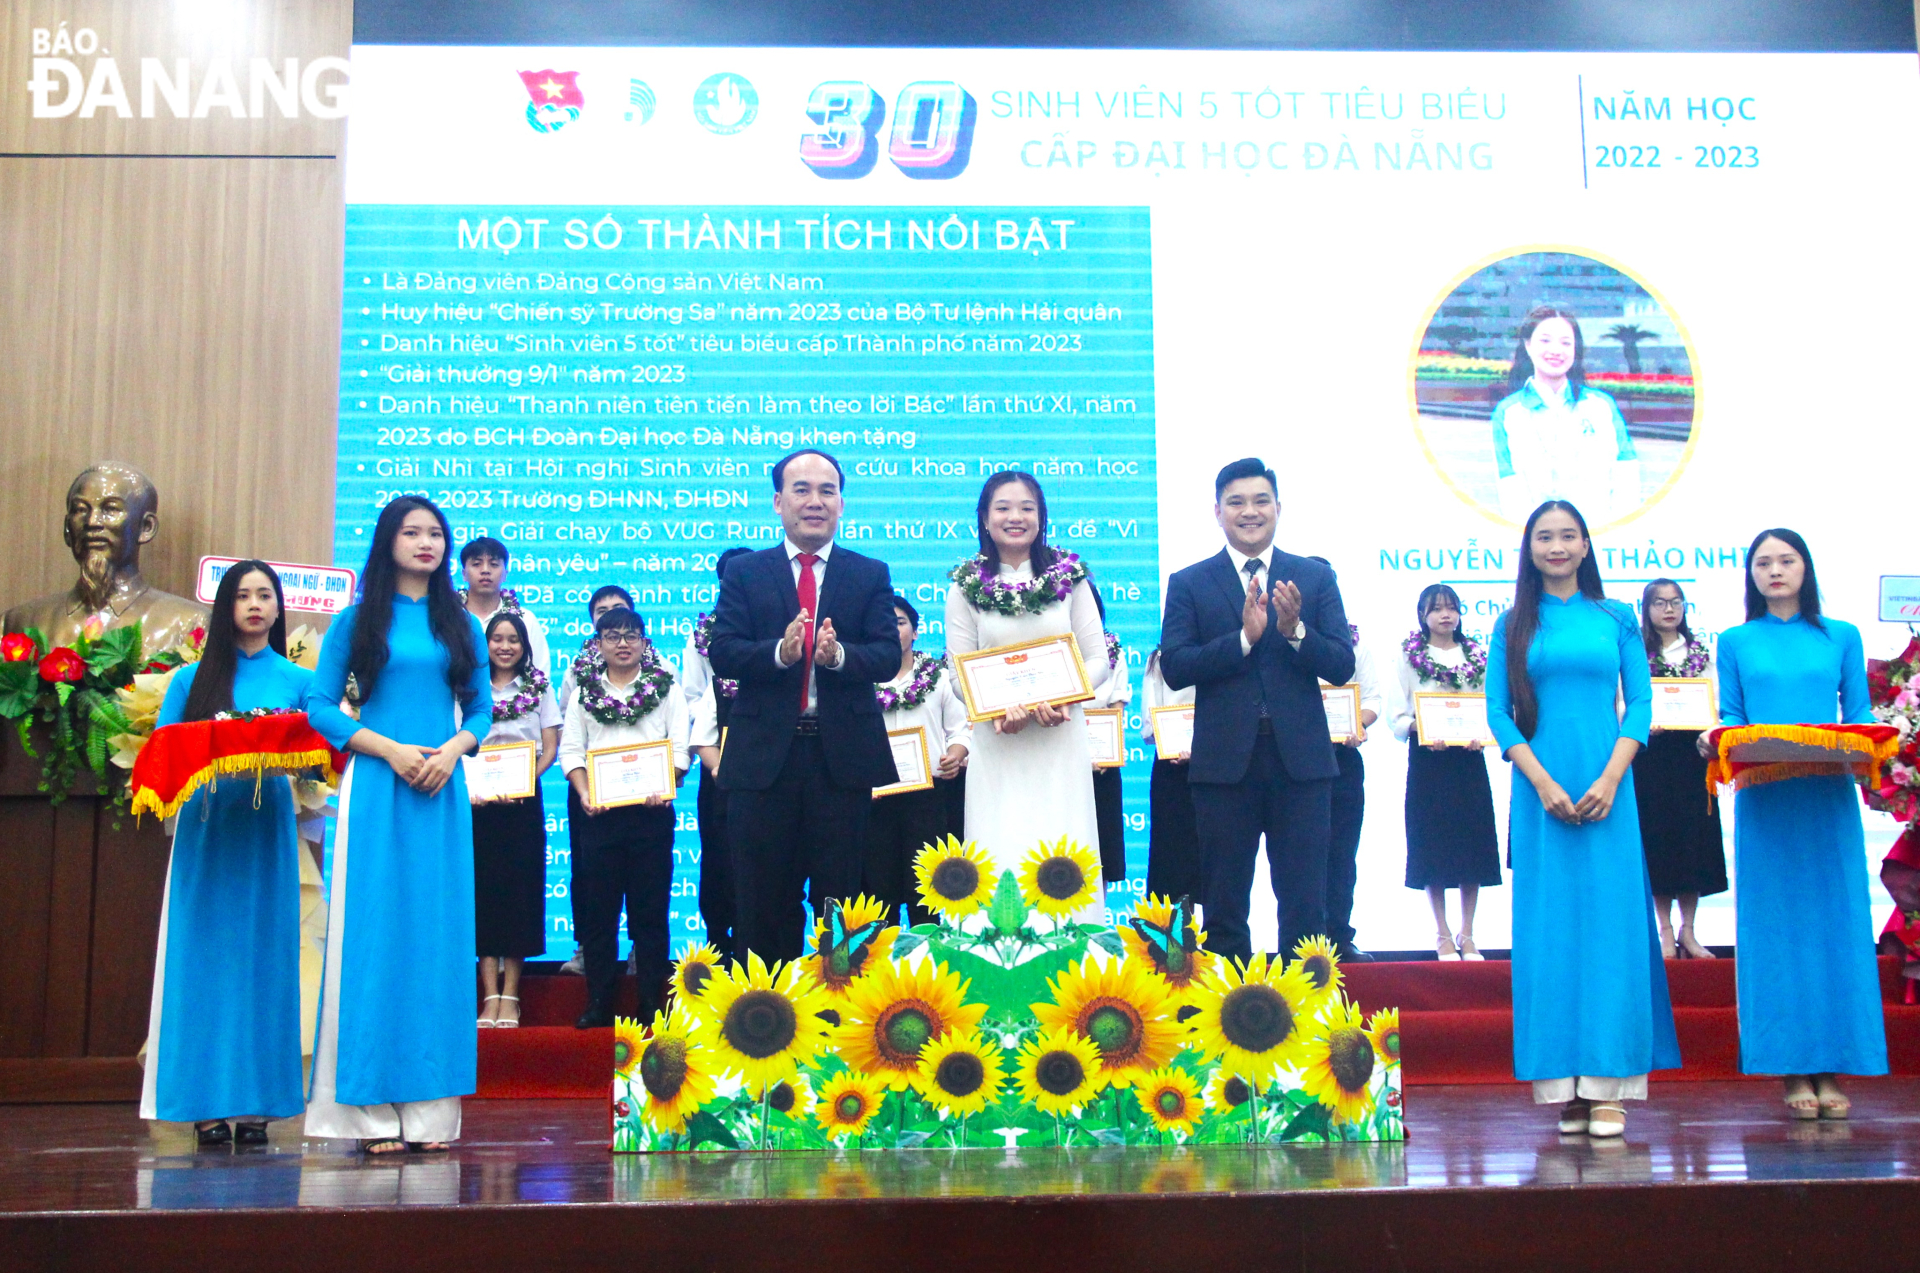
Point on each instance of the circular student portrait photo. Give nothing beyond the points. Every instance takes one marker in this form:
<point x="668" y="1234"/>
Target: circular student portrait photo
<point x="1554" y="374"/>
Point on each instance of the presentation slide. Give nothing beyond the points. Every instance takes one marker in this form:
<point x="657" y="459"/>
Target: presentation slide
<point x="593" y="293"/>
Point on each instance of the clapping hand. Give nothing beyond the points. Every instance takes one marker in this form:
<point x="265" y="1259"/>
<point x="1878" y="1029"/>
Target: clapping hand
<point x="794" y="642"/>
<point x="826" y="646"/>
<point x="1253" y="614"/>
<point x="1286" y="607"/>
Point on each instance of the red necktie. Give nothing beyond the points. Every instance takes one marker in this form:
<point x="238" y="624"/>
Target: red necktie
<point x="809" y="601"/>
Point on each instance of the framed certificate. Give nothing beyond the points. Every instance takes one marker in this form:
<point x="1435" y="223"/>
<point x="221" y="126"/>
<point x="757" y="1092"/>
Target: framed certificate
<point x="619" y="776"/>
<point x="503" y="771"/>
<point x="1106" y="736"/>
<point x="1343" y="711"/>
<point x="1452" y="719"/>
<point x="1045" y="671"/>
<point x="1173" y="731"/>
<point x="1684" y="702"/>
<point x="912" y="761"/>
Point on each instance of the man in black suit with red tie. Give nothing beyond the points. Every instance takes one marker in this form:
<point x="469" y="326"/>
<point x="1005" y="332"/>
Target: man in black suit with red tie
<point x="807" y="628"/>
<point x="1255" y="629"/>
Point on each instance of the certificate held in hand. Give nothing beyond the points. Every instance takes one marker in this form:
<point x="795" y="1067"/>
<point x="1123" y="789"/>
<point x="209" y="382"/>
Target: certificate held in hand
<point x="1173" y="731"/>
<point x="1455" y="720"/>
<point x="912" y="761"/>
<point x="1048" y="670"/>
<point x="1343" y="711"/>
<point x="1106" y="738"/>
<point x="1684" y="702"/>
<point x="618" y="776"/>
<point x="503" y="771"/>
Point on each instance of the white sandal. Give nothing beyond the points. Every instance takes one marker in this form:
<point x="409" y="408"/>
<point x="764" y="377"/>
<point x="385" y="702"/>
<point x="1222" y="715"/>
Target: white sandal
<point x="486" y="1023"/>
<point x="1469" y="952"/>
<point x="1444" y="948"/>
<point x="513" y="1024"/>
<point x="1606" y="1120"/>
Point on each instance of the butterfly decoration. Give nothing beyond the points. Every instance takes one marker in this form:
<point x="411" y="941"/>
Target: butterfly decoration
<point x="1175" y="946"/>
<point x="843" y="951"/>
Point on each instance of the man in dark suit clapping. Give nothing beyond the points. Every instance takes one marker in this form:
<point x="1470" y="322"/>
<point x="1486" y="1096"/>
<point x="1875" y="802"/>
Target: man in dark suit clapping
<point x="806" y="628"/>
<point x="1255" y="629"/>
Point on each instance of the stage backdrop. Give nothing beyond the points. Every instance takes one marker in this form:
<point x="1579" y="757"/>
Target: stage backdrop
<point x="591" y="293"/>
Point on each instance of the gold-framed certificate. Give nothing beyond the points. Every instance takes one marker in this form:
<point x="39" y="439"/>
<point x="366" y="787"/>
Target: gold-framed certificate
<point x="1685" y="702"/>
<point x="502" y="771"/>
<point x="619" y="776"/>
<point x="1454" y="720"/>
<point x="1048" y="671"/>
<point x="1342" y="703"/>
<point x="912" y="761"/>
<point x="1173" y="731"/>
<point x="1106" y="736"/>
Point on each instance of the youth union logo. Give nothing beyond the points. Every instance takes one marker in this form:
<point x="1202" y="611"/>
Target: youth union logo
<point x="725" y="103"/>
<point x="556" y="99"/>
<point x="639" y="102"/>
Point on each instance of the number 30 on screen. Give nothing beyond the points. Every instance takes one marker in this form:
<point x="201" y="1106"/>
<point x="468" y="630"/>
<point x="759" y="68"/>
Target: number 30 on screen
<point x="932" y="134"/>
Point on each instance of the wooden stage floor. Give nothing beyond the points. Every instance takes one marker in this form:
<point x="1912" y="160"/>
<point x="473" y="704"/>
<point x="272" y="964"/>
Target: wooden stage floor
<point x="1710" y="1175"/>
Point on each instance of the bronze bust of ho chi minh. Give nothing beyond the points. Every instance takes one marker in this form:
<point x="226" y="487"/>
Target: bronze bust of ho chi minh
<point x="112" y="510"/>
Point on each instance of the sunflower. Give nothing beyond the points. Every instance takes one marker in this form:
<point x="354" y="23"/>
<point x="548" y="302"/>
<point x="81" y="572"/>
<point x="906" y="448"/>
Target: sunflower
<point x="1340" y="1062"/>
<point x="1253" y="1016"/>
<point x="791" y="1097"/>
<point x="1059" y="878"/>
<point x="955" y="879"/>
<point x="847" y="1102"/>
<point x="1171" y="1099"/>
<point x="671" y="1074"/>
<point x="1383" y="1027"/>
<point x="1122" y="1009"/>
<point x="894" y="1012"/>
<point x="960" y="1073"/>
<point x="762" y="1023"/>
<point x="1228" y="1092"/>
<point x="1057" y="1071"/>
<point x="1182" y="963"/>
<point x="1316" y="957"/>
<point x="696" y="968"/>
<point x="835" y="964"/>
<point x="629" y="1036"/>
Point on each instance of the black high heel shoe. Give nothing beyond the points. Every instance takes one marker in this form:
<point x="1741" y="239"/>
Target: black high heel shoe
<point x="214" y="1135"/>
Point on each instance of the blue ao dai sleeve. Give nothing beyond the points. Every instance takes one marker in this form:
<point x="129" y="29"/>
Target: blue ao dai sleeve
<point x="1636" y="679"/>
<point x="476" y="709"/>
<point x="1499" y="699"/>
<point x="173" y="709"/>
<point x="329" y="683"/>
<point x="1856" y="703"/>
<point x="1733" y="700"/>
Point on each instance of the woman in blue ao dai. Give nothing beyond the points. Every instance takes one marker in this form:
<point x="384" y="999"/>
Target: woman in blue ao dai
<point x="223" y="1039"/>
<point x="396" y="1047"/>
<point x="1808" y="986"/>
<point x="1591" y="1014"/>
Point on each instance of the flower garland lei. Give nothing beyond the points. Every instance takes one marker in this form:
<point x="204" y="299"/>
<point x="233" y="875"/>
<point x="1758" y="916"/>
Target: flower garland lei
<point x="598" y="701"/>
<point x="527" y="689"/>
<point x="1030" y="596"/>
<point x="1427" y="668"/>
<point x="1113" y="650"/>
<point x="703" y="633"/>
<point x="509" y="602"/>
<point x="1695" y="664"/>
<point x="926" y="675"/>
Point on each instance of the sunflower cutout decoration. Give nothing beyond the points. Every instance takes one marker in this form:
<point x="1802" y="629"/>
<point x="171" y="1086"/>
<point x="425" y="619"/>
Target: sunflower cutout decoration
<point x="960" y="1073"/>
<point x="629" y="1036"/>
<point x="671" y="1076"/>
<point x="1316" y="957"/>
<point x="1059" y="878"/>
<point x="955" y="879"/>
<point x="848" y="940"/>
<point x="1170" y="1098"/>
<point x="894" y="1012"/>
<point x="1122" y="1009"/>
<point x="1254" y="1017"/>
<point x="1057" y="1071"/>
<point x="1228" y="1092"/>
<point x="696" y="967"/>
<point x="1161" y="935"/>
<point x="791" y="1097"/>
<point x="762" y="1023"/>
<point x="848" y="1101"/>
<point x="1383" y="1028"/>
<point x="1340" y="1062"/>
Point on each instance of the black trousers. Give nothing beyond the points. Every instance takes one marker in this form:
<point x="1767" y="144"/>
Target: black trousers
<point x="897" y="828"/>
<point x="621" y="856"/>
<point x="1343" y="845"/>
<point x="716" y="867"/>
<point x="953" y="795"/>
<point x="1174" y="869"/>
<point x="799" y="840"/>
<point x="1296" y="818"/>
<point x="1111" y="824"/>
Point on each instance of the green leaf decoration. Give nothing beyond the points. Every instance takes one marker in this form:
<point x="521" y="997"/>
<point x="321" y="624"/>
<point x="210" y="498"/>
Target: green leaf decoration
<point x="1007" y="911"/>
<point x="906" y="943"/>
<point x="19" y="690"/>
<point x="702" y="1126"/>
<point x="1109" y="941"/>
<point x="1314" y="1120"/>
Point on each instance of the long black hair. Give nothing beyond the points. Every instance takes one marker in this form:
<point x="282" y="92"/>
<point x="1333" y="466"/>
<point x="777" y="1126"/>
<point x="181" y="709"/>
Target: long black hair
<point x="1041" y="556"/>
<point x="1524" y="619"/>
<point x="1522" y="370"/>
<point x="1649" y="633"/>
<point x="452" y="627"/>
<point x="1432" y="595"/>
<point x="212" y="688"/>
<point x="500" y="616"/>
<point x="1809" y="585"/>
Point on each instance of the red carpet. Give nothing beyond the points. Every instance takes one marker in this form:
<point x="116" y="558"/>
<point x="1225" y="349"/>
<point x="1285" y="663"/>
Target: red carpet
<point x="1456" y="1023"/>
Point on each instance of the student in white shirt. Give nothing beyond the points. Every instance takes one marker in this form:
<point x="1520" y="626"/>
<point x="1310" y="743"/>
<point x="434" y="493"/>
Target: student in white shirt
<point x="510" y="836"/>
<point x="483" y="562"/>
<point x="1173" y="845"/>
<point x="1108" y="796"/>
<point x="623" y="853"/>
<point x="920" y="696"/>
<point x="606" y="597"/>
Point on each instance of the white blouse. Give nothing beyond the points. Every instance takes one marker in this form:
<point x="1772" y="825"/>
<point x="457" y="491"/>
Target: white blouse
<point x="1411" y="683"/>
<point x="1366" y="674"/>
<point x="583" y="733"/>
<point x="1154" y="693"/>
<point x="943" y="714"/>
<point x="1117" y="689"/>
<point x="526" y="727"/>
<point x="1083" y="613"/>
